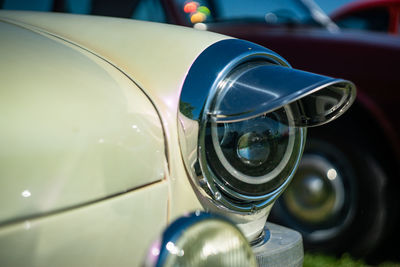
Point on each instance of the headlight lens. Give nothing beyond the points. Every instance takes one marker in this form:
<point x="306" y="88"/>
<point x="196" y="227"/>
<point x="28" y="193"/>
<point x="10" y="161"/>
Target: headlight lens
<point x="253" y="156"/>
<point x="204" y="240"/>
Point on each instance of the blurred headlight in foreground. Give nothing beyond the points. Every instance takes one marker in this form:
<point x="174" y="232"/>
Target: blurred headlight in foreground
<point x="201" y="239"/>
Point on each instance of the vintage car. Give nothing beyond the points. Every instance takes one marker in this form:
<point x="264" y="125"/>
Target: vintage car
<point x="355" y="208"/>
<point x="370" y="15"/>
<point x="114" y="130"/>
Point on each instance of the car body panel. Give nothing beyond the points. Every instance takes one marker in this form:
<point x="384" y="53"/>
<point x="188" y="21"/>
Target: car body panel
<point x="99" y="36"/>
<point x="128" y="49"/>
<point x="88" y="235"/>
<point x="68" y="157"/>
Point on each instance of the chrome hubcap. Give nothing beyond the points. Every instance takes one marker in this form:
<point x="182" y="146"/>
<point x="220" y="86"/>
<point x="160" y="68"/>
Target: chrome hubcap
<point x="316" y="194"/>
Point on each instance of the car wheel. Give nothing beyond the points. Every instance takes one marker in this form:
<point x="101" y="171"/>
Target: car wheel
<point x="337" y="199"/>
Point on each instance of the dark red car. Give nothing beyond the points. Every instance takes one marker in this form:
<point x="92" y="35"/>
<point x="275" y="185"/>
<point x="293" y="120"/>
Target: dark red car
<point x="371" y="15"/>
<point x="345" y="195"/>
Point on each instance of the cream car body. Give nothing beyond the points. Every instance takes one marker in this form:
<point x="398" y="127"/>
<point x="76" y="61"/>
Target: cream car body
<point x="109" y="77"/>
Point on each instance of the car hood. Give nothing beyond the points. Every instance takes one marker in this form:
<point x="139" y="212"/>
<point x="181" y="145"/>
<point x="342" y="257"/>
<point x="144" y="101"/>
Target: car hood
<point x="83" y="107"/>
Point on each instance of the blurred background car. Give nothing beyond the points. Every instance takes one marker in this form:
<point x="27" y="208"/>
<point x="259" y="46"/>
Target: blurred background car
<point x="344" y="197"/>
<point x="370" y="15"/>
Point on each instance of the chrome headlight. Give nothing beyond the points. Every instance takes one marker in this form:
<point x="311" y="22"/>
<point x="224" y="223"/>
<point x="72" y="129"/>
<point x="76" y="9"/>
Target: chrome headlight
<point x="243" y="114"/>
<point x="201" y="239"/>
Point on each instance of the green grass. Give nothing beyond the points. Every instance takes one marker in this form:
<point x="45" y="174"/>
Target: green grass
<point x="317" y="260"/>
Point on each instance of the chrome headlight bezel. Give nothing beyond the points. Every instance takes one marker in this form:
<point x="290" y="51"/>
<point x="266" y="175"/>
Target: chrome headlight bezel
<point x="201" y="94"/>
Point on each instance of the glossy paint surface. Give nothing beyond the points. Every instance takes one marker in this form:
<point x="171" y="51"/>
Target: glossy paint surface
<point x="74" y="129"/>
<point x="124" y="78"/>
<point x="157" y="57"/>
<point x="115" y="232"/>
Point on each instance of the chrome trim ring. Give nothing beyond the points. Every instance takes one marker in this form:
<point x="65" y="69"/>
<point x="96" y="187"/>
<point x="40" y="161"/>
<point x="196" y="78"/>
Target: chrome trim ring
<point x="268" y="177"/>
<point x="197" y="93"/>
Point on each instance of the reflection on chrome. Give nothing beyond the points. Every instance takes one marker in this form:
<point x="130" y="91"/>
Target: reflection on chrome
<point x="173" y="249"/>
